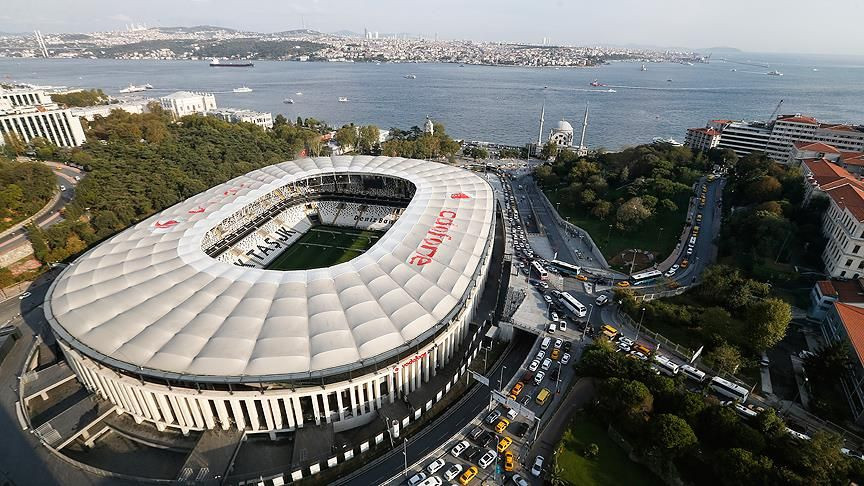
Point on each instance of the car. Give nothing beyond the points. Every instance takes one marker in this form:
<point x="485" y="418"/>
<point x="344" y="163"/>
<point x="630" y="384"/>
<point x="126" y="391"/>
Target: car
<point x="623" y="284"/>
<point x="435" y="466"/>
<point x="487" y="459"/>
<point x="24" y="295"/>
<point x="546" y="364"/>
<point x="764" y="361"/>
<point x="602" y="300"/>
<point x="512" y="414"/>
<point x="556" y="353"/>
<point x="540" y="355"/>
<point x="537" y="468"/>
<point x="476" y="433"/>
<point x="567" y="346"/>
<point x="485" y="438"/>
<point x="517" y="389"/>
<point x="562" y="325"/>
<point x="699" y="218"/>
<point x="62" y="188"/>
<point x="642" y="349"/>
<point x="552" y="328"/>
<point x="538" y="378"/>
<point x="519" y="480"/>
<point x="77" y="178"/>
<point x="504" y="443"/>
<point x="493" y="416"/>
<point x="534" y="365"/>
<point x="804" y="354"/>
<point x="684" y="263"/>
<point x="581" y="278"/>
<point x="554" y="316"/>
<point x="454" y="471"/>
<point x="544" y="285"/>
<point x="689" y="250"/>
<point x="417" y="478"/>
<point x="797" y="435"/>
<point x="669" y="273"/>
<point x="639" y="355"/>
<point x="565" y="358"/>
<point x="547" y="299"/>
<point x="501" y="426"/>
<point x="459" y="448"/>
<point x="558" y="343"/>
<point x="468" y="475"/>
<point x="509" y="461"/>
<point x="851" y="453"/>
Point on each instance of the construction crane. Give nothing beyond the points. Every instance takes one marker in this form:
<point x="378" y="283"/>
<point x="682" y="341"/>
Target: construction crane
<point x="776" y="111"/>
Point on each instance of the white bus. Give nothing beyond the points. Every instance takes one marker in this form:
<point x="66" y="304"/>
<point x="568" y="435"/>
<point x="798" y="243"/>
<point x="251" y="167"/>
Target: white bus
<point x="565" y="267"/>
<point x="666" y="365"/>
<point x="643" y="276"/>
<point x="693" y="373"/>
<point x="573" y="305"/>
<point x="538" y="270"/>
<point x="729" y="389"/>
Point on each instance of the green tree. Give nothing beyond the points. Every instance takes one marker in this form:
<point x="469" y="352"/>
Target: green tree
<point x="601" y="210"/>
<point x="624" y="397"/>
<point x="724" y="358"/>
<point x="346" y="137"/>
<point x="671" y="434"/>
<point x="37" y="239"/>
<point x="631" y="214"/>
<point x="740" y="467"/>
<point x="549" y="150"/>
<point x="769" y="319"/>
<point x="369" y="136"/>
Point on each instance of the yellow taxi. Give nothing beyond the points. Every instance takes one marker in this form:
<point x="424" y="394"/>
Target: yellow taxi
<point x="504" y="444"/>
<point x="501" y="426"/>
<point x="684" y="263"/>
<point x="555" y="353"/>
<point x="623" y="284"/>
<point x="468" y="475"/>
<point x="517" y="389"/>
<point x="582" y="278"/>
<point x="509" y="461"/>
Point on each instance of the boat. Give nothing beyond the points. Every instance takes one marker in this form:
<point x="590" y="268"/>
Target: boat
<point x="733" y="70"/>
<point x="148" y="86"/>
<point x="596" y="83"/>
<point x="610" y="90"/>
<point x="410" y="76"/>
<point x="343" y="99"/>
<point x="242" y="89"/>
<point x="643" y="68"/>
<point x="774" y="73"/>
<point x="133" y="89"/>
<point x="299" y="93"/>
<point x="815" y="70"/>
<point x="668" y="80"/>
<point x="217" y="63"/>
<point x="288" y="101"/>
<point x="669" y="141"/>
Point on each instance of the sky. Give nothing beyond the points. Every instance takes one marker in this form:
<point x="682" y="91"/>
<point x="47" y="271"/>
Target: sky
<point x="788" y="26"/>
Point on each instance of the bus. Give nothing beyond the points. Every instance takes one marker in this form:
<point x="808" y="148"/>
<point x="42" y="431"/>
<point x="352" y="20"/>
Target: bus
<point x="693" y="373"/>
<point x="566" y="268"/>
<point x="609" y="331"/>
<point x="666" y="365"/>
<point x="538" y="270"/>
<point x="573" y="305"/>
<point x="729" y="389"/>
<point x="645" y="276"/>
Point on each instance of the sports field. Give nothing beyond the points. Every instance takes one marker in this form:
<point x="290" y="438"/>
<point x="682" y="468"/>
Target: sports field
<point x="325" y="246"/>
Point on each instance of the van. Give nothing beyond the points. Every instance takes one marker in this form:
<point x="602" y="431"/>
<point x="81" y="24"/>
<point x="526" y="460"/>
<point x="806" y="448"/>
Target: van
<point x="543" y="396"/>
<point x="545" y="344"/>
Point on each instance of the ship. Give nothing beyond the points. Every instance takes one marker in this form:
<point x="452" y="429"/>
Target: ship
<point x="410" y="76"/>
<point x="217" y="63"/>
<point x="643" y="68"/>
<point x="774" y="73"/>
<point x="596" y="83"/>
<point x="242" y="89"/>
<point x="343" y="99"/>
<point x="288" y="101"/>
<point x="134" y="89"/>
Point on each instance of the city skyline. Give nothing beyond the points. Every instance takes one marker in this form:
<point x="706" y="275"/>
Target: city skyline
<point x="648" y="24"/>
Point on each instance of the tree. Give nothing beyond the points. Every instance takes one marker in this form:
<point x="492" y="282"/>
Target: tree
<point x="724" y="358"/>
<point x="740" y="467"/>
<point x="37" y="239"/>
<point x="769" y="319"/>
<point x="631" y="214"/>
<point x="770" y="424"/>
<point x="624" y="397"/>
<point x="346" y="137"/>
<point x="13" y="144"/>
<point x="280" y="120"/>
<point x="601" y="209"/>
<point x="549" y="151"/>
<point x="592" y="451"/>
<point x="829" y="361"/>
<point x="671" y="434"/>
<point x="369" y="136"/>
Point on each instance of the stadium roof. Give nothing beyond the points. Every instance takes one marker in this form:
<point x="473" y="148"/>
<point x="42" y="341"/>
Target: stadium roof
<point x="149" y="300"/>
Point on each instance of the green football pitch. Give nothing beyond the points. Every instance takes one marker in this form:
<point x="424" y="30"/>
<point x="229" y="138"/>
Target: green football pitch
<point x="325" y="246"/>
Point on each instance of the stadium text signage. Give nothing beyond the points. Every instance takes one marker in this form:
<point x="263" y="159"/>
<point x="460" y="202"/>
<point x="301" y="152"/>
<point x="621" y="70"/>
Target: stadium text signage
<point x="436" y="235"/>
<point x="411" y="361"/>
<point x="268" y="245"/>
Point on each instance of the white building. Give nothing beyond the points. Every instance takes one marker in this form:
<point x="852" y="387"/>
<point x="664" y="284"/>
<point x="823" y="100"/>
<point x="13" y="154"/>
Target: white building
<point x="562" y="134"/>
<point x="89" y="113"/>
<point x="184" y="103"/>
<point x="29" y="114"/>
<point x="262" y="119"/>
<point x="702" y="138"/>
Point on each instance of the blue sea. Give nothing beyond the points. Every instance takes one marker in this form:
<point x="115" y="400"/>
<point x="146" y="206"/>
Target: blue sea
<point x="497" y="104"/>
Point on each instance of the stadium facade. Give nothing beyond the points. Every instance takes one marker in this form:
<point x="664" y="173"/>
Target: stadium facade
<point x="177" y="320"/>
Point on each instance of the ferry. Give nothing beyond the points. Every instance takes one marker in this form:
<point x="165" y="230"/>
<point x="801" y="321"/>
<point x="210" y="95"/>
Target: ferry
<point x="134" y="89"/>
<point x="288" y="101"/>
<point x="343" y="99"/>
<point x="217" y="63"/>
<point x="596" y="83"/>
<point x="242" y="89"/>
<point x="774" y="73"/>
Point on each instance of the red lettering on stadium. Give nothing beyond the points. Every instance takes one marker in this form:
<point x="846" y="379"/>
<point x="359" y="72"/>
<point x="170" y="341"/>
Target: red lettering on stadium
<point x="436" y="235"/>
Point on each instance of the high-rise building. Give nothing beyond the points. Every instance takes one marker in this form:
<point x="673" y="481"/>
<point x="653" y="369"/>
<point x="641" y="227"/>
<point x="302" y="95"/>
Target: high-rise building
<point x="29" y="113"/>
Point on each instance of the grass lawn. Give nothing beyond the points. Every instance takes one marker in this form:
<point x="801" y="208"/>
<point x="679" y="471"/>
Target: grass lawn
<point x="610" y="467"/>
<point x="647" y="237"/>
<point x="325" y="246"/>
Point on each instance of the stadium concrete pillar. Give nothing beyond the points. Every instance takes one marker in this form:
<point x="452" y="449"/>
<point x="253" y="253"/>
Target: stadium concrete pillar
<point x="418" y="369"/>
<point x="316" y="413"/>
<point x="197" y="417"/>
<point x="151" y="405"/>
<point x="165" y="408"/>
<point x="277" y="414"/>
<point x="406" y="372"/>
<point x="415" y="374"/>
<point x="207" y="412"/>
<point x="435" y="359"/>
<point x="426" y="360"/>
<point x="339" y="404"/>
<point x="298" y="411"/>
<point x="238" y="413"/>
<point x="370" y="398"/>
<point x="353" y="400"/>
<point x="289" y="412"/>
<point x="376" y="389"/>
<point x="327" y="413"/>
<point x="390" y="390"/>
<point x="222" y="412"/>
<point x="268" y="414"/>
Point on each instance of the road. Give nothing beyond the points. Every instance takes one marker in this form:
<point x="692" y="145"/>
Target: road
<point x="440" y="432"/>
<point x="65" y="178"/>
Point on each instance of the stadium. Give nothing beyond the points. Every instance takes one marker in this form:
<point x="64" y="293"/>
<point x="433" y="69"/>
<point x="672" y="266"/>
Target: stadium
<point x="310" y="290"/>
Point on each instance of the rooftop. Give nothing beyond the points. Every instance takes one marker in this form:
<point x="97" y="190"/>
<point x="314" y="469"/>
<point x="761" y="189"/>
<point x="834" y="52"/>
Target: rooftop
<point x="798" y="118"/>
<point x="816" y="147"/>
<point x="852" y="318"/>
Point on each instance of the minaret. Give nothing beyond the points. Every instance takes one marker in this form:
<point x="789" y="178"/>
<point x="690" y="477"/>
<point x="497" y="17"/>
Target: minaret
<point x="542" y="116"/>
<point x="583" y="150"/>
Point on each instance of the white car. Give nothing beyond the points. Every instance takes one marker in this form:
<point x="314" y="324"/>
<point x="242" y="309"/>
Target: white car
<point x="546" y="364"/>
<point x="459" y="448"/>
<point x="534" y="365"/>
<point x="455" y="470"/>
<point x="417" y="478"/>
<point x="62" y="188"/>
<point x="435" y="466"/>
<point x="24" y="295"/>
<point x="689" y="250"/>
<point x="670" y="273"/>
<point x="512" y="414"/>
<point x="538" y="378"/>
<point x="519" y="480"/>
<point x="487" y="459"/>
<point x="602" y="300"/>
<point x="552" y="328"/>
<point x="540" y="355"/>
<point x="537" y="468"/>
<point x="562" y="325"/>
<point x="547" y="299"/>
<point x="554" y="316"/>
<point x="558" y="343"/>
<point x="565" y="358"/>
